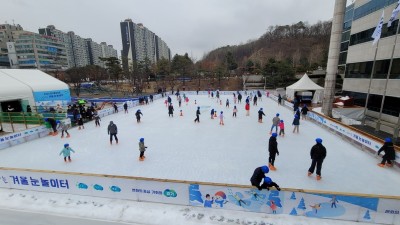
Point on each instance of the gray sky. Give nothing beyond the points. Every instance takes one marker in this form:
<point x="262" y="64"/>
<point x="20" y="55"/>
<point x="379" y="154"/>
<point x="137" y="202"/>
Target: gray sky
<point x="195" y="27"/>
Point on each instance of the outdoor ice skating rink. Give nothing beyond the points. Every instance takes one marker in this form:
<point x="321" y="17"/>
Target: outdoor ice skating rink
<point x="180" y="149"/>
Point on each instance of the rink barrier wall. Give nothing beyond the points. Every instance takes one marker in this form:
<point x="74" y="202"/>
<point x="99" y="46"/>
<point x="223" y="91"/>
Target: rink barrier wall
<point x="353" y="135"/>
<point x="40" y="131"/>
<point x="296" y="202"/>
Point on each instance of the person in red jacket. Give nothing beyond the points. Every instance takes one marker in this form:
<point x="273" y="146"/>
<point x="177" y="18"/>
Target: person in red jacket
<point x="247" y="108"/>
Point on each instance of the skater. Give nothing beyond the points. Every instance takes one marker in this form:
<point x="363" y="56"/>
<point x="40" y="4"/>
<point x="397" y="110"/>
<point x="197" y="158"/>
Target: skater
<point x="112" y="131"/>
<point x="142" y="149"/>
<point x="64" y="128"/>
<point x="255" y="100"/>
<point x="138" y="113"/>
<point x="179" y="101"/>
<point x="66" y="151"/>
<point x="281" y="128"/>
<point x="247" y="108"/>
<point x="318" y="154"/>
<point x="389" y="153"/>
<point x="269" y="183"/>
<point x="234" y="111"/>
<point x="80" y="122"/>
<point x="126" y="107"/>
<point x="169" y="100"/>
<point x="259" y="95"/>
<point x="234" y="98"/>
<point x="260" y="115"/>
<point x="221" y="118"/>
<point x="170" y="110"/>
<point x="53" y="125"/>
<point x="197" y="115"/>
<point x="187" y="100"/>
<point x="273" y="151"/>
<point x="304" y="111"/>
<point x="296" y="123"/>
<point x="239" y="98"/>
<point x="297" y="112"/>
<point x="258" y="175"/>
<point x="97" y="119"/>
<point x="151" y="98"/>
<point x="227" y="103"/>
<point x="275" y="123"/>
<point x="279" y="100"/>
<point x="115" y="107"/>
<point x="212" y="113"/>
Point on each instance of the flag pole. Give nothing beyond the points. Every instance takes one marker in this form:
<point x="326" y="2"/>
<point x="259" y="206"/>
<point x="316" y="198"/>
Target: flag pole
<point x="369" y="87"/>
<point x="378" y="125"/>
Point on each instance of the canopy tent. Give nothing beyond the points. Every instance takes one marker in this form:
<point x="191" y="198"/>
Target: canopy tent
<point x="305" y="84"/>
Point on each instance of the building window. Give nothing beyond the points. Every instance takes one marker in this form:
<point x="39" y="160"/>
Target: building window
<point x="359" y="70"/>
<point x="342" y="58"/>
<point x="395" y="72"/>
<point x="381" y="69"/>
<point x="365" y="36"/>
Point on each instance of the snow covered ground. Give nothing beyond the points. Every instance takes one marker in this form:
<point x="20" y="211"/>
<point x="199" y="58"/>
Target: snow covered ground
<point x="131" y="212"/>
<point x="180" y="149"/>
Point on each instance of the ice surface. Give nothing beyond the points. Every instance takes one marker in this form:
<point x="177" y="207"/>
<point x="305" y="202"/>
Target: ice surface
<point x="180" y="149"/>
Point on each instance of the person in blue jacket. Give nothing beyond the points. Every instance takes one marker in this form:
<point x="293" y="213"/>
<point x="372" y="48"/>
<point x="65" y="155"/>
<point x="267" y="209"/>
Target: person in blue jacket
<point x="269" y="183"/>
<point x="258" y="175"/>
<point x="389" y="151"/>
<point x="66" y="152"/>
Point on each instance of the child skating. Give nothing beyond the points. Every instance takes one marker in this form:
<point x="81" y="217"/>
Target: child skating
<point x="221" y="118"/>
<point x="234" y="111"/>
<point x="281" y="128"/>
<point x="138" y="113"/>
<point x="66" y="152"/>
<point x="64" y="128"/>
<point x="97" y="119"/>
<point x="142" y="149"/>
<point x="80" y="122"/>
<point x="260" y="115"/>
<point x="212" y="113"/>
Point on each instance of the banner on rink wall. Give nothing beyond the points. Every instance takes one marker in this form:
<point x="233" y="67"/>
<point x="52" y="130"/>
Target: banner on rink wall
<point x="99" y="186"/>
<point x="353" y="208"/>
<point x="345" y="131"/>
<point x="22" y="136"/>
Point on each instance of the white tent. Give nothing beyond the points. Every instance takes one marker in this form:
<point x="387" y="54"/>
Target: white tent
<point x="305" y="84"/>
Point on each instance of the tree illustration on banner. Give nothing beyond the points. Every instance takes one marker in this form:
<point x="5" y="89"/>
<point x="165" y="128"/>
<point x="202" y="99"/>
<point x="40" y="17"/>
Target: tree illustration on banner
<point x="301" y="204"/>
<point x="367" y="216"/>
<point x="293" y="196"/>
<point x="293" y="212"/>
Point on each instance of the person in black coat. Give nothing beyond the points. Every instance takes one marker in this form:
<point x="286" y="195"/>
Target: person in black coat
<point x="304" y="112"/>
<point x="318" y="154"/>
<point x="197" y="115"/>
<point x="389" y="153"/>
<point x="273" y="151"/>
<point x="258" y="175"/>
<point x="170" y="110"/>
<point x="269" y="183"/>
<point x="260" y="115"/>
<point x="53" y="125"/>
<point x="138" y="113"/>
<point x="126" y="107"/>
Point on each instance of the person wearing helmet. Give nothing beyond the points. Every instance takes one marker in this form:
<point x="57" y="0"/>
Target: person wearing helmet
<point x="389" y="153"/>
<point x="138" y="113"/>
<point x="269" y="183"/>
<point x="66" y="151"/>
<point x="64" y="128"/>
<point x="142" y="148"/>
<point x="260" y="115"/>
<point x="112" y="131"/>
<point x="197" y="115"/>
<point x="275" y="123"/>
<point x="318" y="154"/>
<point x="273" y="151"/>
<point x="258" y="175"/>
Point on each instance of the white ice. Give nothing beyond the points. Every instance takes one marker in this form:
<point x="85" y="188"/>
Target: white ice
<point x="180" y="149"/>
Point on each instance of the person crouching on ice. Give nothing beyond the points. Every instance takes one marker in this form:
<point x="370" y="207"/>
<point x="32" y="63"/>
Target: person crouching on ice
<point x="258" y="175"/>
<point x="142" y="148"/>
<point x="389" y="153"/>
<point x="269" y="183"/>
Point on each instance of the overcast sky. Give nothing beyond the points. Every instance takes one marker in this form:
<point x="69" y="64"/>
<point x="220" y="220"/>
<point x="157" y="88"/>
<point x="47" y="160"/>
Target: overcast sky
<point x="192" y="26"/>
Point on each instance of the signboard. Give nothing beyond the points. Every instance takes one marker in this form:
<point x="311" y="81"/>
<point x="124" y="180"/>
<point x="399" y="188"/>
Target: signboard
<point x="46" y="99"/>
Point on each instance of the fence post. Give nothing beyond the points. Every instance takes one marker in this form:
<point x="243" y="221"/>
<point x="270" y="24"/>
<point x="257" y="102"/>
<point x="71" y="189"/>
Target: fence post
<point x="23" y="116"/>
<point x="11" y="123"/>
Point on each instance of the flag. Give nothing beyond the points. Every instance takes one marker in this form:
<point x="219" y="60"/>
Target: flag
<point x="378" y="30"/>
<point x="395" y="12"/>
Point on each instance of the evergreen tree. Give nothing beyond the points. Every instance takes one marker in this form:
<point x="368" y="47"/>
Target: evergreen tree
<point x="367" y="216"/>
<point x="301" y="205"/>
<point x="293" y="196"/>
<point x="293" y="212"/>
